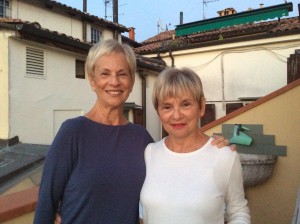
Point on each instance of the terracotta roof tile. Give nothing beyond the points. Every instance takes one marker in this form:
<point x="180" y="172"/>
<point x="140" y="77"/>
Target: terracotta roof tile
<point x="166" y="40"/>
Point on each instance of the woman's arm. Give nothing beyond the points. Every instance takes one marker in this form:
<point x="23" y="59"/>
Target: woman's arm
<point x="236" y="205"/>
<point x="57" y="169"/>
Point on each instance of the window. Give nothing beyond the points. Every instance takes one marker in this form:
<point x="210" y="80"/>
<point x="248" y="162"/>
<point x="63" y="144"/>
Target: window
<point x="210" y="114"/>
<point x="4" y="9"/>
<point x="95" y="35"/>
<point x="35" y="62"/>
<point x="230" y="107"/>
<point x="79" y="69"/>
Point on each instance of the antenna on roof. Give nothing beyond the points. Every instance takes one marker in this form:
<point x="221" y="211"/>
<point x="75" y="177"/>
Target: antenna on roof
<point x="204" y="3"/>
<point x="160" y="26"/>
<point x="106" y="3"/>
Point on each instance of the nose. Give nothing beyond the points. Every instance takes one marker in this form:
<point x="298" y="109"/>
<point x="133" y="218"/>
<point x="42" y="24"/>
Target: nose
<point x="114" y="79"/>
<point x="177" y="113"/>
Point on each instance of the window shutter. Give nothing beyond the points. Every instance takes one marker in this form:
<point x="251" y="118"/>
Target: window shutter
<point x="34" y="62"/>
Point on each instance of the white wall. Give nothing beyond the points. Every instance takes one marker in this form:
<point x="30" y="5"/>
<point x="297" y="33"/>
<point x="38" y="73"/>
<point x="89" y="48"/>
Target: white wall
<point x="153" y="122"/>
<point x="47" y="18"/>
<point x="34" y="102"/>
<point x="54" y="21"/>
<point x="243" y="69"/>
<point x="39" y="106"/>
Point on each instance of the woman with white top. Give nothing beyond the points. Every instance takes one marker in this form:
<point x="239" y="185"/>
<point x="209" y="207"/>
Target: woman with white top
<point x="188" y="180"/>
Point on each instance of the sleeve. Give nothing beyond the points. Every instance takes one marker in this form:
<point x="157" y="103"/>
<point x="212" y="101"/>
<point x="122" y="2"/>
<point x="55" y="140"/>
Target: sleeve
<point x="59" y="163"/>
<point x="237" y="210"/>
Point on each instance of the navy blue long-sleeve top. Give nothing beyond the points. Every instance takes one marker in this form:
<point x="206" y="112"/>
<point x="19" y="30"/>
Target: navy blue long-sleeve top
<point x="93" y="173"/>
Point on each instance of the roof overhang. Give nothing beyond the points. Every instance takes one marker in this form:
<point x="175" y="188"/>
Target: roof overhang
<point x="35" y="33"/>
<point x="256" y="15"/>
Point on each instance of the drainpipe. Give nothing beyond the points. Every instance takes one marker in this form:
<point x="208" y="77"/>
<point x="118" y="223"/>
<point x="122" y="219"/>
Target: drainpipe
<point x="172" y="59"/>
<point x="144" y="103"/>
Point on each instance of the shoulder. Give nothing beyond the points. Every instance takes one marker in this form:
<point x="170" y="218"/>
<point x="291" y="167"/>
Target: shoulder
<point x="224" y="154"/>
<point x="74" y="122"/>
<point x="138" y="127"/>
<point x="154" y="147"/>
<point x="139" y="131"/>
<point x="71" y="127"/>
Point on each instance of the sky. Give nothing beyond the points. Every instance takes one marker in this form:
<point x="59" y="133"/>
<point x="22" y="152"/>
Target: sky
<point x="149" y="17"/>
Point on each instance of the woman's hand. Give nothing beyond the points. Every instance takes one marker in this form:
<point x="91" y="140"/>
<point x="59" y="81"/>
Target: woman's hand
<point x="57" y="219"/>
<point x="221" y="141"/>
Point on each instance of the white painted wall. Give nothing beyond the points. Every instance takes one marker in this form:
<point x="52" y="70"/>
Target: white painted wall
<point x="34" y="101"/>
<point x="47" y="18"/>
<point x="153" y="123"/>
<point x="34" y="108"/>
<point x="39" y="106"/>
<point x="243" y="69"/>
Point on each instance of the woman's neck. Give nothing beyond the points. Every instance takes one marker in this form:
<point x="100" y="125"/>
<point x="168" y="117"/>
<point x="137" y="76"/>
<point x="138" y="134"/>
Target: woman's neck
<point x="188" y="144"/>
<point x="111" y="116"/>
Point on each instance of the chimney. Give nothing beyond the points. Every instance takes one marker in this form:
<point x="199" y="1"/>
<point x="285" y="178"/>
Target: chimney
<point x="131" y="33"/>
<point x="181" y="18"/>
<point x="227" y="11"/>
<point x="261" y="5"/>
<point x="84" y="6"/>
<point x="299" y="11"/>
<point x="115" y="11"/>
<point x="84" y="29"/>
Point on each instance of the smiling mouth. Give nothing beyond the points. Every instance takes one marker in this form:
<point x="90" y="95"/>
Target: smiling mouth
<point x="178" y="125"/>
<point x="114" y="92"/>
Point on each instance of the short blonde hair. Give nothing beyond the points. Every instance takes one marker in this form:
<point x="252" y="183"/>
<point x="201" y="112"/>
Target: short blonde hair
<point x="107" y="47"/>
<point x="173" y="82"/>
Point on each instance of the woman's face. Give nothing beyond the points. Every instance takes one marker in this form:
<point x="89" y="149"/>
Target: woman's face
<point x="180" y="115"/>
<point x="112" y="80"/>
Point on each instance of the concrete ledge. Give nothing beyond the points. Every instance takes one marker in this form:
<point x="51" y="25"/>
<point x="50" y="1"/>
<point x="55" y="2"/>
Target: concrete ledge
<point x="17" y="204"/>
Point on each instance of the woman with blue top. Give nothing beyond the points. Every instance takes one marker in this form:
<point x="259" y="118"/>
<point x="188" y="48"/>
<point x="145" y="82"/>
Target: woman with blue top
<point x="188" y="180"/>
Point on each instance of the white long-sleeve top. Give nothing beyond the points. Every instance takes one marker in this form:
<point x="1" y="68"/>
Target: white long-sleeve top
<point x="193" y="188"/>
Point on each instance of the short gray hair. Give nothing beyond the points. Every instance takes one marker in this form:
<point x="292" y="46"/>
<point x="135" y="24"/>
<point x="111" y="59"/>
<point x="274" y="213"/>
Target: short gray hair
<point x="107" y="47"/>
<point x="172" y="82"/>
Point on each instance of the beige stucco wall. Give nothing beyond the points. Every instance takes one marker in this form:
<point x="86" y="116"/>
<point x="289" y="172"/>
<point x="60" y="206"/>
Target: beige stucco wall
<point x="24" y="219"/>
<point x="4" y="84"/>
<point x="273" y="202"/>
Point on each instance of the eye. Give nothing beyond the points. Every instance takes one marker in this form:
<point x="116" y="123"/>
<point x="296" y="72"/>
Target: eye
<point x="186" y="104"/>
<point x="165" y="107"/>
<point x="123" y="74"/>
<point x="103" y="74"/>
